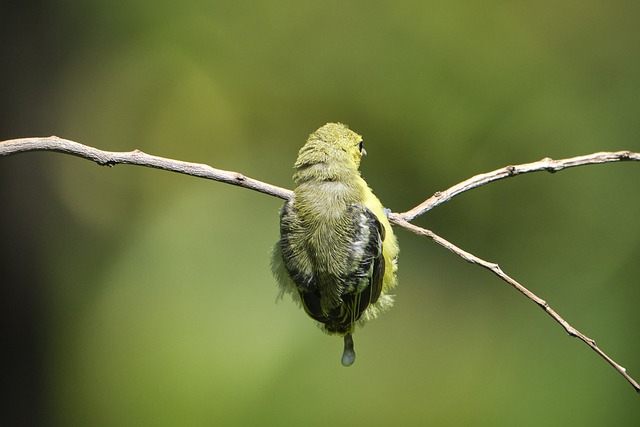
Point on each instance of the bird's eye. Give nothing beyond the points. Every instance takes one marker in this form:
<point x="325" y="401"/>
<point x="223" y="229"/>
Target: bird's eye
<point x="363" y="152"/>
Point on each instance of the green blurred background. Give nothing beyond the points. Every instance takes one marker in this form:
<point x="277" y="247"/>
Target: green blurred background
<point x="135" y="297"/>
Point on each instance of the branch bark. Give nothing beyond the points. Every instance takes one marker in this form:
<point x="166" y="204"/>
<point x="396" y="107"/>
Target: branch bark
<point x="136" y="157"/>
<point x="495" y="269"/>
<point x="546" y="164"/>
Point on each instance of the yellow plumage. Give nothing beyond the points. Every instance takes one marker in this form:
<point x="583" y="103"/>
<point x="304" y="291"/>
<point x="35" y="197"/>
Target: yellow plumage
<point x="337" y="254"/>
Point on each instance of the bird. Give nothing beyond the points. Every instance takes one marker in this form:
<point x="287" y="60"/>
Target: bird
<point x="337" y="255"/>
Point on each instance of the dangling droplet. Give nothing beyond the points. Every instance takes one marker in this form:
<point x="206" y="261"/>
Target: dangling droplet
<point x="348" y="355"/>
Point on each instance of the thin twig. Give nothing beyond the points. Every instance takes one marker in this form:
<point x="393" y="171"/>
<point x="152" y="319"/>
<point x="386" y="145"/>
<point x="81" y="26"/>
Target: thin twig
<point x="495" y="269"/>
<point x="137" y="157"/>
<point x="545" y="164"/>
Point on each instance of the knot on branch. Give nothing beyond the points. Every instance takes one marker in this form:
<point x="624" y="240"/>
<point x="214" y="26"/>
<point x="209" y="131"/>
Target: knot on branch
<point x="138" y="153"/>
<point x="627" y="155"/>
<point x="106" y="162"/>
<point x="550" y="165"/>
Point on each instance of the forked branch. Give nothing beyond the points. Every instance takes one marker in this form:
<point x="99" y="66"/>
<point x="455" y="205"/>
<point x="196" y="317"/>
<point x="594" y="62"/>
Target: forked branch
<point x="136" y="157"/>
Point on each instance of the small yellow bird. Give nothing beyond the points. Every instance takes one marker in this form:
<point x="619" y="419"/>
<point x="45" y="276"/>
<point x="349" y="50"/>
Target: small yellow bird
<point x="337" y="254"/>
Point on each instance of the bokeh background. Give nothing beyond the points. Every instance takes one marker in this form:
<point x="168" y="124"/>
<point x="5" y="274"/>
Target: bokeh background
<point x="132" y="296"/>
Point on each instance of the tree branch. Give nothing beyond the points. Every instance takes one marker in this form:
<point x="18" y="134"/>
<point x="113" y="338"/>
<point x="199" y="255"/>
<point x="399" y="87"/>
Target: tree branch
<point x="495" y="269"/>
<point x="545" y="164"/>
<point x="136" y="157"/>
